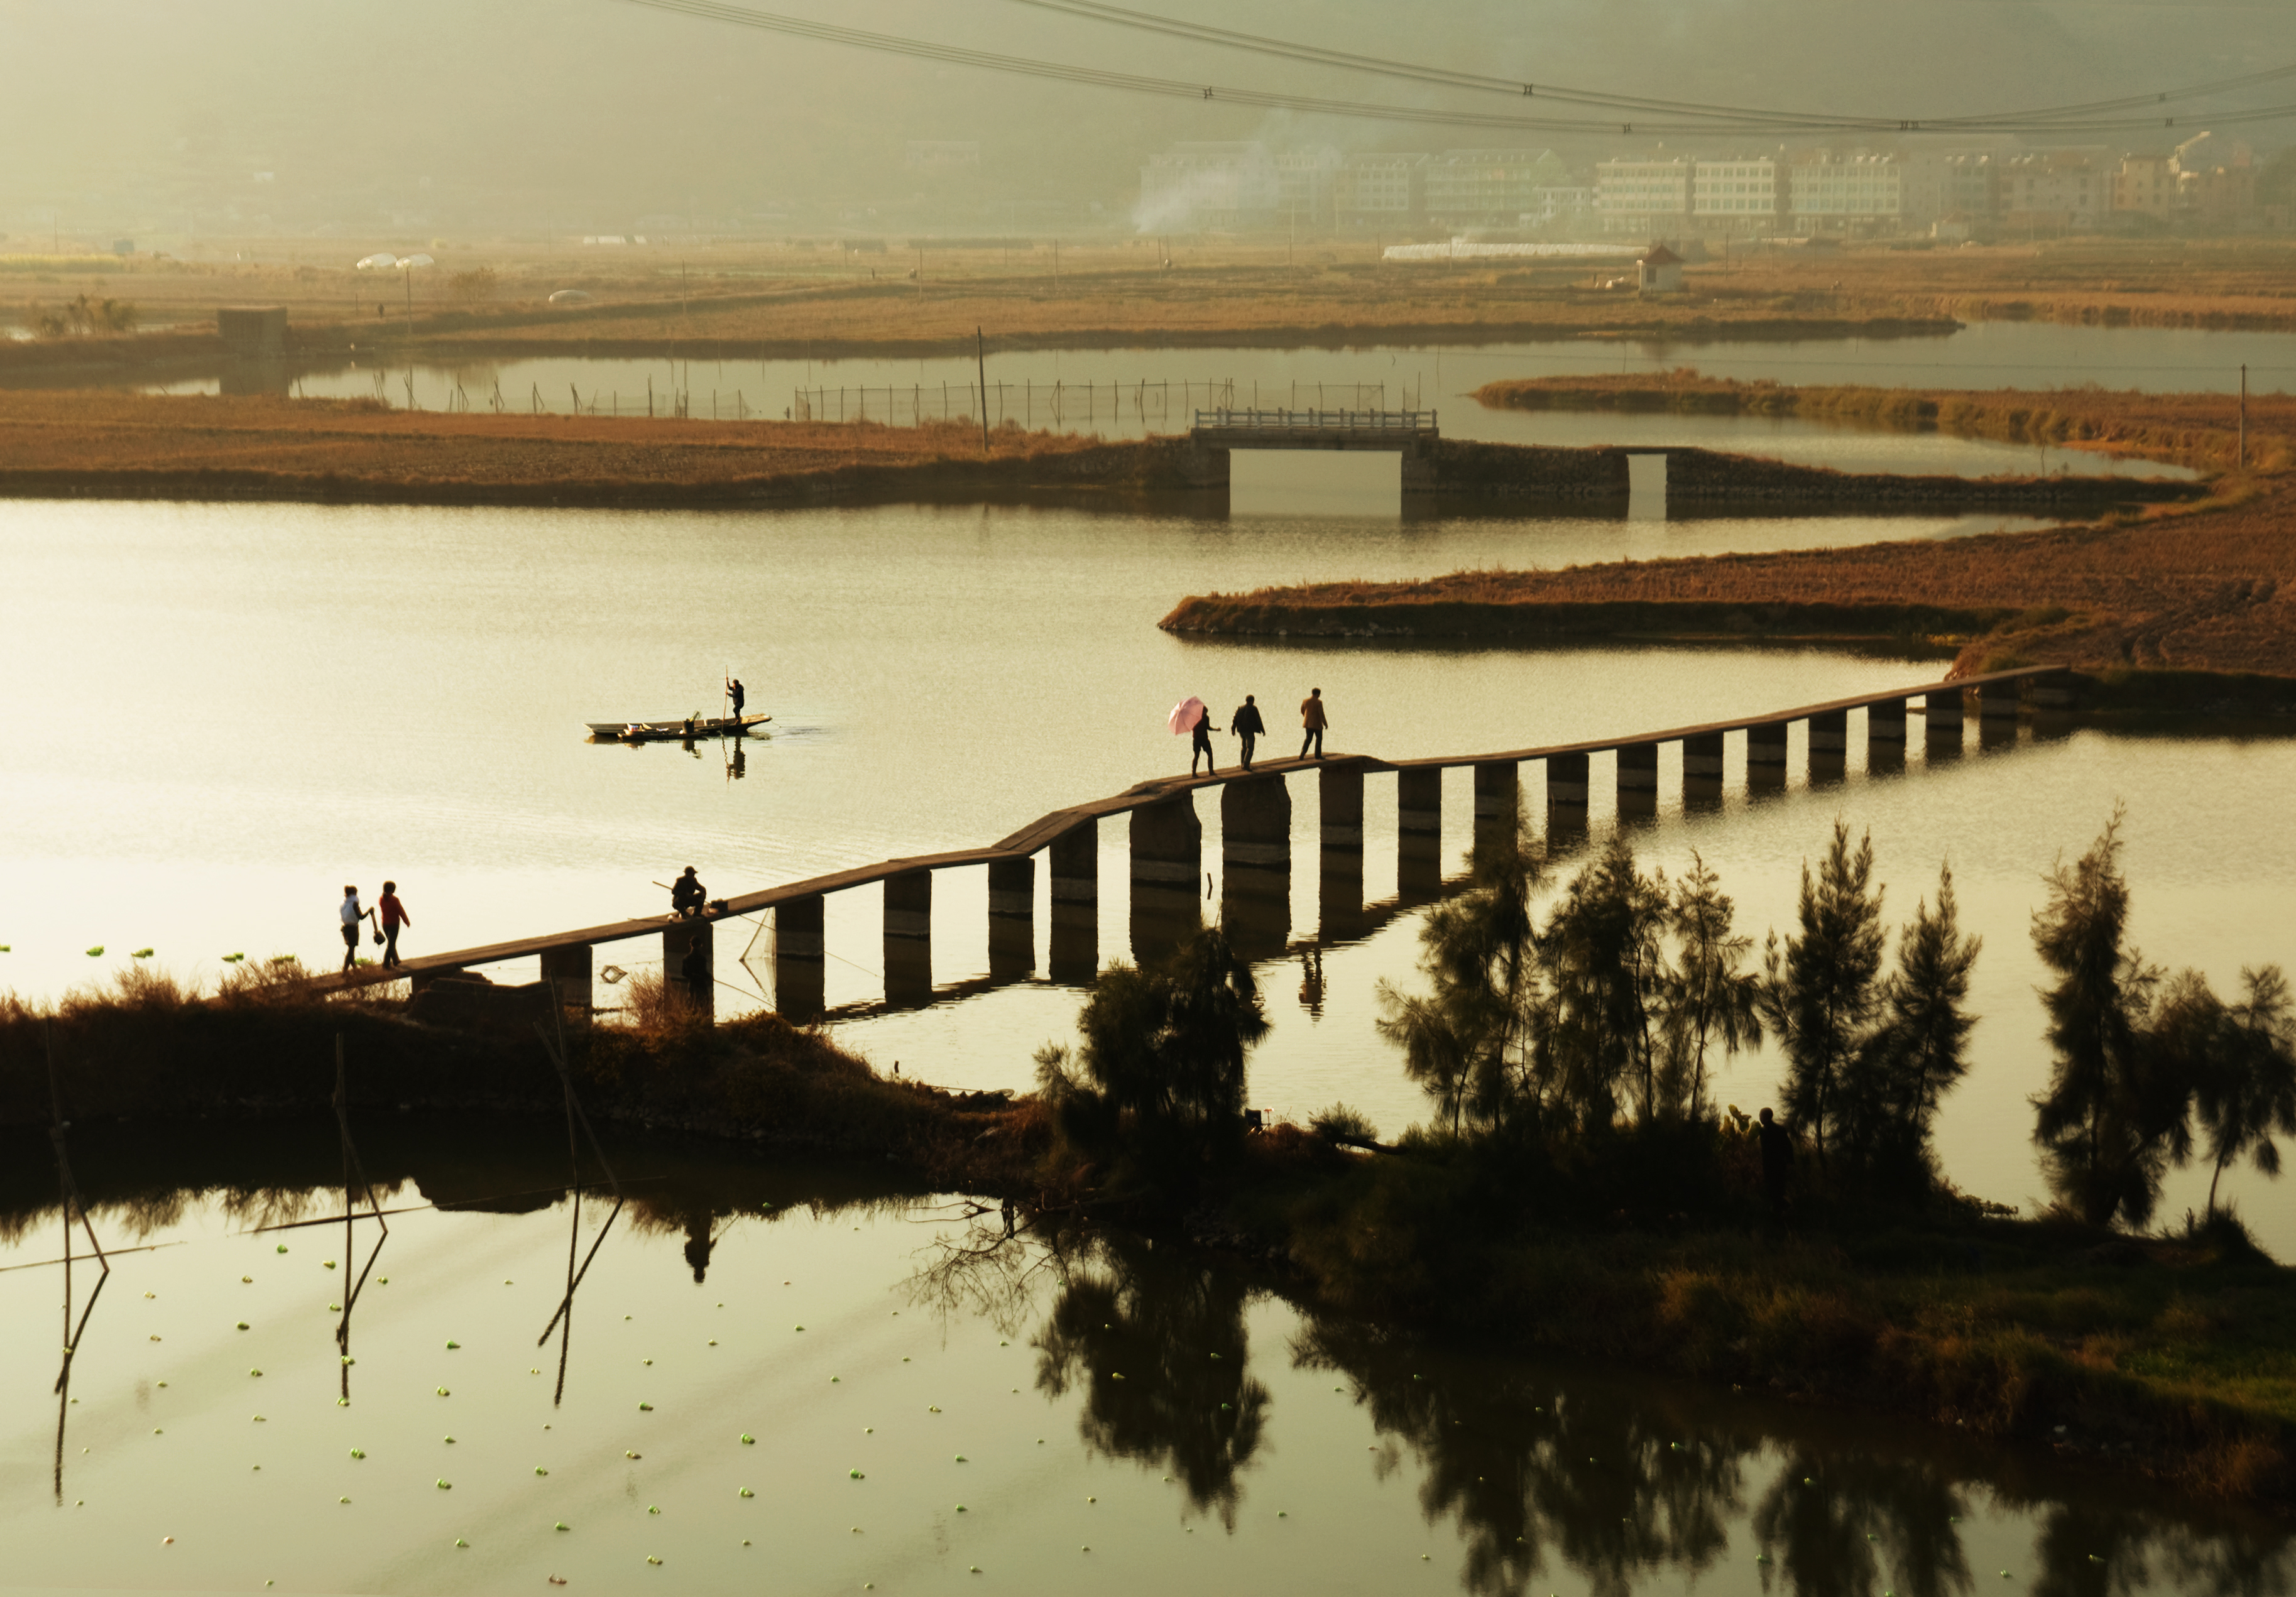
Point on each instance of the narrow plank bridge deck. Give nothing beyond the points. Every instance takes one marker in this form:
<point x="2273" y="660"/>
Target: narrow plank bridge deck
<point x="1042" y="832"/>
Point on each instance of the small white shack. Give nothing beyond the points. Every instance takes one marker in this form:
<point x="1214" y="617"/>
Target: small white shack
<point x="1659" y="272"/>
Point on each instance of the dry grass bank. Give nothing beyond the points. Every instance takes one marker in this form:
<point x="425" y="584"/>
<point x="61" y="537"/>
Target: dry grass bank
<point x="193" y="447"/>
<point x="2210" y="591"/>
<point x="2201" y="430"/>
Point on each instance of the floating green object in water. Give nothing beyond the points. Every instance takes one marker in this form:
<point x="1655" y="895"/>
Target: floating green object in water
<point x="960" y="1458"/>
<point x="645" y="1408"/>
<point x="632" y="1455"/>
<point x="342" y="1403"/>
<point x="651" y="1510"/>
<point x="349" y="1361"/>
<point x="232" y="959"/>
<point x="283" y="1247"/>
<point x="747" y="1492"/>
<point x="326" y="1264"/>
<point x="359" y="1453"/>
<point x="242" y="1325"/>
<point x="460" y="1542"/>
<point x="562" y="1525"/>
<point x="748" y="1440"/>
<point x="255" y="1372"/>
<point x="96" y="952"/>
<point x="443" y="1392"/>
<point x="342" y="1499"/>
<point x="856" y="1475"/>
<point x="452" y="1346"/>
<point x="445" y="1485"/>
<point x="538" y="1470"/>
<point x="142" y="953"/>
<point x="652" y="1559"/>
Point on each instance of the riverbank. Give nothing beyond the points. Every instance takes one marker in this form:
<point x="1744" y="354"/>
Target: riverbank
<point x="2175" y="1358"/>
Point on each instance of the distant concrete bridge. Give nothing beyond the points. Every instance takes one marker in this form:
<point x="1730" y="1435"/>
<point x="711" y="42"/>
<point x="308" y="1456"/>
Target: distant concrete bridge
<point x="1167" y="845"/>
<point x="1406" y="433"/>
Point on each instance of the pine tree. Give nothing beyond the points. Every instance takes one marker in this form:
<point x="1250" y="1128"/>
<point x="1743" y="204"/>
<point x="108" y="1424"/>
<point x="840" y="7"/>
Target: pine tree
<point x="2118" y="1108"/>
<point x="1601" y="956"/>
<point x="1820" y="992"/>
<point x="1710" y="1001"/>
<point x="2247" y="1094"/>
<point x="1919" y="1051"/>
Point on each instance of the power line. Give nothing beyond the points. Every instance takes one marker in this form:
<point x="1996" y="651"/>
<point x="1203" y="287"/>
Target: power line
<point x="830" y="33"/>
<point x="1445" y="78"/>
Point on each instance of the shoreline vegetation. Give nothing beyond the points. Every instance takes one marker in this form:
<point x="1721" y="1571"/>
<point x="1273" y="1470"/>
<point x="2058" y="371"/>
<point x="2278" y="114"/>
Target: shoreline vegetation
<point x="1581" y="1189"/>
<point x="2159" y="607"/>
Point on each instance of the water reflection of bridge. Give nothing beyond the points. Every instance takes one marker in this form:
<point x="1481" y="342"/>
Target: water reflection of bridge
<point x="1167" y="848"/>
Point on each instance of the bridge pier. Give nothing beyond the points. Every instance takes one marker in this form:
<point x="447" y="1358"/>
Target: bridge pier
<point x="1998" y="701"/>
<point x="1168" y="844"/>
<point x="1829" y="745"/>
<point x="1498" y="804"/>
<point x="1941" y="723"/>
<point x="1074" y="954"/>
<point x="909" y="939"/>
<point x="566" y="971"/>
<point x="1566" y="796"/>
<point x="1766" y="757"/>
<point x="1638" y="779"/>
<point x="801" y="959"/>
<point x="1011" y="917"/>
<point x="1418" y="833"/>
<point x="1339" y="796"/>
<point x="1256" y="865"/>
<point x="680" y="939"/>
<point x="1702" y="769"/>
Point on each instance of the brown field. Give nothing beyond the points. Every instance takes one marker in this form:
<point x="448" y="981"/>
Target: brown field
<point x="740" y="297"/>
<point x="205" y="446"/>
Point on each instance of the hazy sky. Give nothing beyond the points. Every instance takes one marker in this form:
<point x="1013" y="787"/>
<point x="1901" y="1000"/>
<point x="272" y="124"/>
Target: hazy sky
<point x="594" y="113"/>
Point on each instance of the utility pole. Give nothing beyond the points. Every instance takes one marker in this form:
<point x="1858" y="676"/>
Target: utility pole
<point x="980" y="361"/>
<point x="2243" y="416"/>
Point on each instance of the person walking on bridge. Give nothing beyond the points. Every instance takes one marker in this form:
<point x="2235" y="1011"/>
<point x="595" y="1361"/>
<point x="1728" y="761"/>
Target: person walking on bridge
<point x="1203" y="744"/>
<point x="354" y="918"/>
<point x="394" y="916"/>
<point x="1312" y="722"/>
<point x="1248" y="726"/>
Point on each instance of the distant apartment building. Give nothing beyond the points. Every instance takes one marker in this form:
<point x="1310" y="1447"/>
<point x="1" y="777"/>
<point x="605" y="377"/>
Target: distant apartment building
<point x="1563" y="208"/>
<point x="2145" y="185"/>
<point x="2216" y="181"/>
<point x="1307" y="186"/>
<point x="1382" y="190"/>
<point x="1489" y="188"/>
<point x="1829" y="193"/>
<point x="1210" y="186"/>
<point x="2055" y="191"/>
<point x="1642" y="197"/>
<point x="1952" y="188"/>
<point x="1738" y="196"/>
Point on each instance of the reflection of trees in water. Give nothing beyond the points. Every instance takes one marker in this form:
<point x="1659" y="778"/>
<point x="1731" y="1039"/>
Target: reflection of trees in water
<point x="1614" y="1489"/>
<point x="1156" y="1344"/>
<point x="1838" y="1522"/>
<point x="2088" y="1551"/>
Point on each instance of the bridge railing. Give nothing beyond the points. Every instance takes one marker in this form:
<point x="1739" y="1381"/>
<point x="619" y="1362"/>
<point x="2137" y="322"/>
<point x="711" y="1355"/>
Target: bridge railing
<point x="1318" y="420"/>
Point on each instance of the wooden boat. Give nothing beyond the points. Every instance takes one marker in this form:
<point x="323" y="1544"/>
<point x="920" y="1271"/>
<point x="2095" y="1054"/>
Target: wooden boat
<point x="669" y="732"/>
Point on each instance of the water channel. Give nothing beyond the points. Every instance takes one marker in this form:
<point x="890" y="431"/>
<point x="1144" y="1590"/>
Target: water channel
<point x="789" y="1380"/>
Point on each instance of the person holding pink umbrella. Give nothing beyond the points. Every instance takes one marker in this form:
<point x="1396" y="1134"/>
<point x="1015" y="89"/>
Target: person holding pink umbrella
<point x="1191" y="715"/>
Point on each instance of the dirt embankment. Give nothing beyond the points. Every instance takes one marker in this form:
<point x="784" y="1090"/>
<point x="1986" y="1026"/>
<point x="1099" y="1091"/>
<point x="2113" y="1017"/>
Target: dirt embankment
<point x="127" y="445"/>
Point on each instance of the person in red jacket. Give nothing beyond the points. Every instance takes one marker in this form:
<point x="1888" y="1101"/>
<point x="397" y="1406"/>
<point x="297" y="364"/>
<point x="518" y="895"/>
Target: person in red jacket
<point x="394" y="916"/>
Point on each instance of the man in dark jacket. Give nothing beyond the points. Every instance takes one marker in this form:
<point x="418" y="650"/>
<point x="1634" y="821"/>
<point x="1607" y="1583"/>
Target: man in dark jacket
<point x="1777" y="1161"/>
<point x="688" y="895"/>
<point x="1247" y="725"/>
<point x="1312" y="723"/>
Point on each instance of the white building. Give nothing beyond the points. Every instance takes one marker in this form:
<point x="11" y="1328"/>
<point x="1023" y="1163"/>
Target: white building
<point x="2058" y="190"/>
<point x="1831" y="193"/>
<point x="1196" y="185"/>
<point x="1306" y="185"/>
<point x="1489" y="188"/>
<point x="1381" y="190"/>
<point x="1642" y="196"/>
<point x="1738" y="195"/>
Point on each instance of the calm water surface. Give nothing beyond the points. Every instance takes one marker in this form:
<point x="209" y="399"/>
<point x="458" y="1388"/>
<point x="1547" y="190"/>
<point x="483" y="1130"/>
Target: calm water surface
<point x="781" y="1379"/>
<point x="1127" y="392"/>
<point x="228" y="712"/>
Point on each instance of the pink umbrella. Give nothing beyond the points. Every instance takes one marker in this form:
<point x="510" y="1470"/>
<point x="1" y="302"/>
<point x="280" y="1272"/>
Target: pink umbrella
<point x="1186" y="714"/>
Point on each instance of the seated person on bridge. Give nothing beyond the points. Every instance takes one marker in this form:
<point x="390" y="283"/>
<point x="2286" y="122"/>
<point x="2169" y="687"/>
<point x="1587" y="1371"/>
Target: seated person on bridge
<point x="687" y="896"/>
